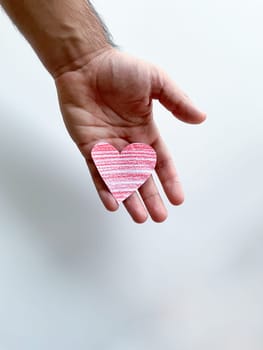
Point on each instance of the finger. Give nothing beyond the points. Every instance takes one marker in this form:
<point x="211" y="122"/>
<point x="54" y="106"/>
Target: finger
<point x="167" y="173"/>
<point x="135" y="208"/>
<point x="133" y="204"/>
<point x="106" y="197"/>
<point x="175" y="100"/>
<point x="153" y="201"/>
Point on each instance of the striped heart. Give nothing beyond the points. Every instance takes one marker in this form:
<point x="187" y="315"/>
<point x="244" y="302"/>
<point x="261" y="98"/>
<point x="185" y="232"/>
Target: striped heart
<point x="124" y="172"/>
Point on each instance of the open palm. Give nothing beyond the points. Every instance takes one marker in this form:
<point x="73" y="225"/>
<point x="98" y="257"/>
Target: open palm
<point x="109" y="98"/>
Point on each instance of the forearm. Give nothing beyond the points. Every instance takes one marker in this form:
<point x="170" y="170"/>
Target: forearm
<point x="60" y="31"/>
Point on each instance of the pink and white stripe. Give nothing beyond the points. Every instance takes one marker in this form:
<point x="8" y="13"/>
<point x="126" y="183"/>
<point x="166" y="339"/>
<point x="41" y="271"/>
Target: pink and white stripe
<point x="124" y="172"/>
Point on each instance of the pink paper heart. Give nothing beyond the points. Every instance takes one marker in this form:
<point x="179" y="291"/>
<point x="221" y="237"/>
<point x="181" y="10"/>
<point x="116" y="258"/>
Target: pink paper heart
<point x="124" y="172"/>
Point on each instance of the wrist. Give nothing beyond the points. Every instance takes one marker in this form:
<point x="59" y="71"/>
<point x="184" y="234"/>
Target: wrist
<point x="72" y="35"/>
<point x="70" y="51"/>
<point x="61" y="32"/>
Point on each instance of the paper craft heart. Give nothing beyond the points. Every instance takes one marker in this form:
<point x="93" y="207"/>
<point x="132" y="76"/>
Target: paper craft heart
<point x="124" y="172"/>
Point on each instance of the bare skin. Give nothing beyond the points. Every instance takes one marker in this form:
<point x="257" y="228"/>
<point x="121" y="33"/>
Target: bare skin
<point x="110" y="98"/>
<point x="104" y="94"/>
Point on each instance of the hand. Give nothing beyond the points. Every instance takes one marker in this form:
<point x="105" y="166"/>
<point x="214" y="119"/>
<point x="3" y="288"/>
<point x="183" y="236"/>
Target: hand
<point x="109" y="98"/>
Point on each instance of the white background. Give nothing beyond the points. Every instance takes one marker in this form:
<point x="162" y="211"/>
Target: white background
<point x="73" y="276"/>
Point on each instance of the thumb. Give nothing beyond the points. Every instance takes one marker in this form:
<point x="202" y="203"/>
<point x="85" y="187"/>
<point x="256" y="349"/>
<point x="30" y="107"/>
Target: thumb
<point x="174" y="99"/>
